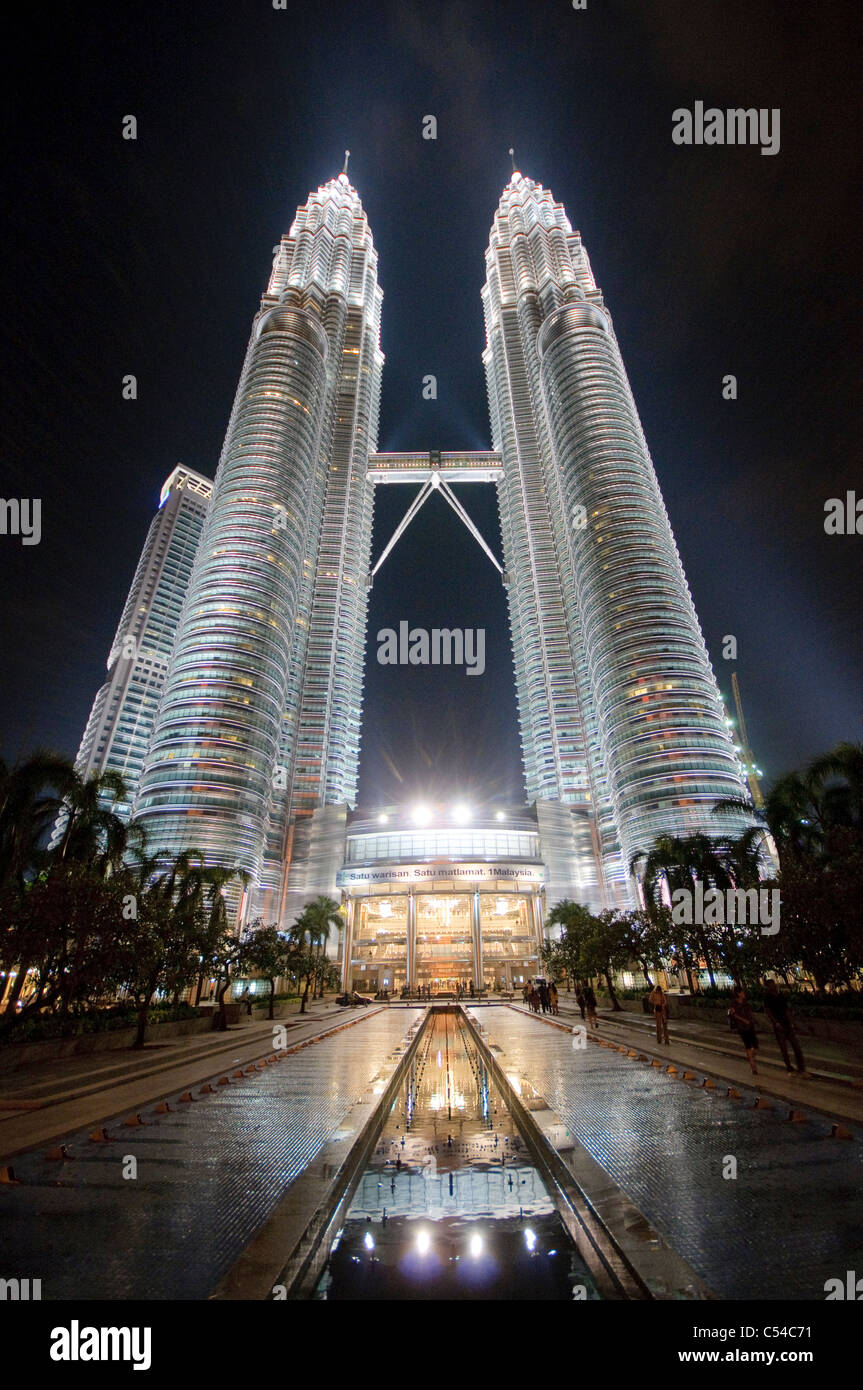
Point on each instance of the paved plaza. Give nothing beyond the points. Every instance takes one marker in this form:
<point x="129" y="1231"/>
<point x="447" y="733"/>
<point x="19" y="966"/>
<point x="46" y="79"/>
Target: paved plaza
<point x="208" y="1175"/>
<point x="791" y="1219"/>
<point x="210" y="1172"/>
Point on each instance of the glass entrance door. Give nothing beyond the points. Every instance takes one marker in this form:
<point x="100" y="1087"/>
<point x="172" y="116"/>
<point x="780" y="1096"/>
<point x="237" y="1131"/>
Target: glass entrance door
<point x="444" y="943"/>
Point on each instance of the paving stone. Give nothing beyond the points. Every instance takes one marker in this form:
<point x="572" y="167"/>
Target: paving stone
<point x="209" y="1175"/>
<point x="792" y="1218"/>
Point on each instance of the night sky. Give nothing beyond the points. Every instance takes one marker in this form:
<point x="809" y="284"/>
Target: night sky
<point x="150" y="257"/>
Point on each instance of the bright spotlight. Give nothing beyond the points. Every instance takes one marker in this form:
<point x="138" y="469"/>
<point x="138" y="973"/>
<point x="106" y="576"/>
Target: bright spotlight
<point x="476" y="1246"/>
<point x="369" y="1240"/>
<point x="383" y="818"/>
<point x="423" y="1243"/>
<point x="500" y="815"/>
<point x="530" y="1239"/>
<point x="421" y="815"/>
<point x="461" y="814"/>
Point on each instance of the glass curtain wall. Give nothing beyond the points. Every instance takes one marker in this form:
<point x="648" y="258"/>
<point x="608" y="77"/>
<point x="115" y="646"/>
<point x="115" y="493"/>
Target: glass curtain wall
<point x="380" y="945"/>
<point x="508" y="941"/>
<point x="444" y="949"/>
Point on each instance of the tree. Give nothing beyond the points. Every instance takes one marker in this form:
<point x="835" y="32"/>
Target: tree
<point x="608" y="948"/>
<point x="222" y="949"/>
<point x="93" y="834"/>
<point x="573" y="952"/>
<point x="64" y="931"/>
<point x="27" y="810"/>
<point x="815" y="819"/>
<point x="312" y="929"/>
<point x="165" y="936"/>
<point x="267" y="951"/>
<point x="648" y="937"/>
<point x="678" y="861"/>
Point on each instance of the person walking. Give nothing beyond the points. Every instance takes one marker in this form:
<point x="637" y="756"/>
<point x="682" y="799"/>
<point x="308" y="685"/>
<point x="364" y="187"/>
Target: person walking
<point x="543" y="996"/>
<point x="777" y="1010"/>
<point x="659" y="1001"/>
<point x="590" y="1005"/>
<point x="552" y="997"/>
<point x="579" y="999"/>
<point x="742" y="1021"/>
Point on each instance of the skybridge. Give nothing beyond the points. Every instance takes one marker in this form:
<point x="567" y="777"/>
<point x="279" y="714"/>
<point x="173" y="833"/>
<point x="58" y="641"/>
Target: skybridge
<point x="435" y="471"/>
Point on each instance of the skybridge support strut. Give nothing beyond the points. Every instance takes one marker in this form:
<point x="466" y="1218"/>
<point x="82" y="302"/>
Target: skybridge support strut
<point x="434" y="483"/>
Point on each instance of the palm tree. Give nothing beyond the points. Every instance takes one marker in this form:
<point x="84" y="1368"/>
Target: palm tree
<point x="92" y="833"/>
<point x="312" y="929"/>
<point x="803" y="809"/>
<point x="678" y="860"/>
<point x="741" y="860"/>
<point x="27" y="810"/>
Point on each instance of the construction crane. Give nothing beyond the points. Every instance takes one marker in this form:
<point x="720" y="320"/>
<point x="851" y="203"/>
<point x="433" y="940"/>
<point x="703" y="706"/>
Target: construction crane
<point x="750" y="766"/>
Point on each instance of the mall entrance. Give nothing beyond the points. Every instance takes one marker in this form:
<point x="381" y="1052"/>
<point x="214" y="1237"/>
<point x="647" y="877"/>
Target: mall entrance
<point x="445" y="960"/>
<point x="441" y="939"/>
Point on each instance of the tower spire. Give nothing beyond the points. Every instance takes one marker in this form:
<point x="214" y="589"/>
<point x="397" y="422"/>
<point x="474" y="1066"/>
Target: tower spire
<point x="512" y="156"/>
<point x="345" y="165"/>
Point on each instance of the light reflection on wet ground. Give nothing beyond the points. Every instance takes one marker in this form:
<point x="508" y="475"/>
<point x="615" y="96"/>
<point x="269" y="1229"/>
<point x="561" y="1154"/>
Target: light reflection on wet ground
<point x="450" y="1205"/>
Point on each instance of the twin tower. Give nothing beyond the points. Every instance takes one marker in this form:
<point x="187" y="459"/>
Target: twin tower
<point x="258" y="727"/>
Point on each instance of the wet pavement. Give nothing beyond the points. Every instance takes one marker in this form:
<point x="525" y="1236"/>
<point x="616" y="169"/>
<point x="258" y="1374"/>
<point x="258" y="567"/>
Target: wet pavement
<point x="208" y="1175"/>
<point x="792" y="1217"/>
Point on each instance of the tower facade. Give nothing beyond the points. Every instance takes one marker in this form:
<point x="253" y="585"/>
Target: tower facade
<point x="621" y="720"/>
<point x="260" y="716"/>
<point x="253" y="757"/>
<point x="121" y="721"/>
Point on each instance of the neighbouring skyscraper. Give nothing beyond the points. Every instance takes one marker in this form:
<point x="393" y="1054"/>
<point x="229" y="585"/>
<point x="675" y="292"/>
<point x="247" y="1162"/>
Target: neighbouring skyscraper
<point x="621" y="719"/>
<point x="121" y="720"/>
<point x="259" y="723"/>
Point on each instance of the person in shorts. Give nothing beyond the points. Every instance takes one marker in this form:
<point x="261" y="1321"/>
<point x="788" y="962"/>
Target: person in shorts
<point x="659" y="1003"/>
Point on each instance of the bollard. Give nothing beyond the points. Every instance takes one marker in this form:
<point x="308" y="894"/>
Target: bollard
<point x="60" y="1154"/>
<point x="186" y="1098"/>
<point x="762" y="1104"/>
<point x="732" y="1093"/>
<point x="238" y="1075"/>
<point x="99" y="1136"/>
<point x="224" y="1081"/>
<point x="671" y="1069"/>
<point x="206" y="1089"/>
<point x="708" y="1084"/>
<point x="655" y="1062"/>
<point x="689" y="1076"/>
<point x="795" y="1117"/>
<point x="133" y="1121"/>
<point x="163" y="1108"/>
<point x="7" y="1175"/>
<point x="840" y="1132"/>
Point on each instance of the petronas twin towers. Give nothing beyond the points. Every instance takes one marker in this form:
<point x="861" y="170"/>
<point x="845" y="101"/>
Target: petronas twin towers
<point x="257" y="734"/>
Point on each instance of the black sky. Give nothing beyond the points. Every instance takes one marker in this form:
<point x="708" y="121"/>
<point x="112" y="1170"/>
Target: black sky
<point x="150" y="257"/>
